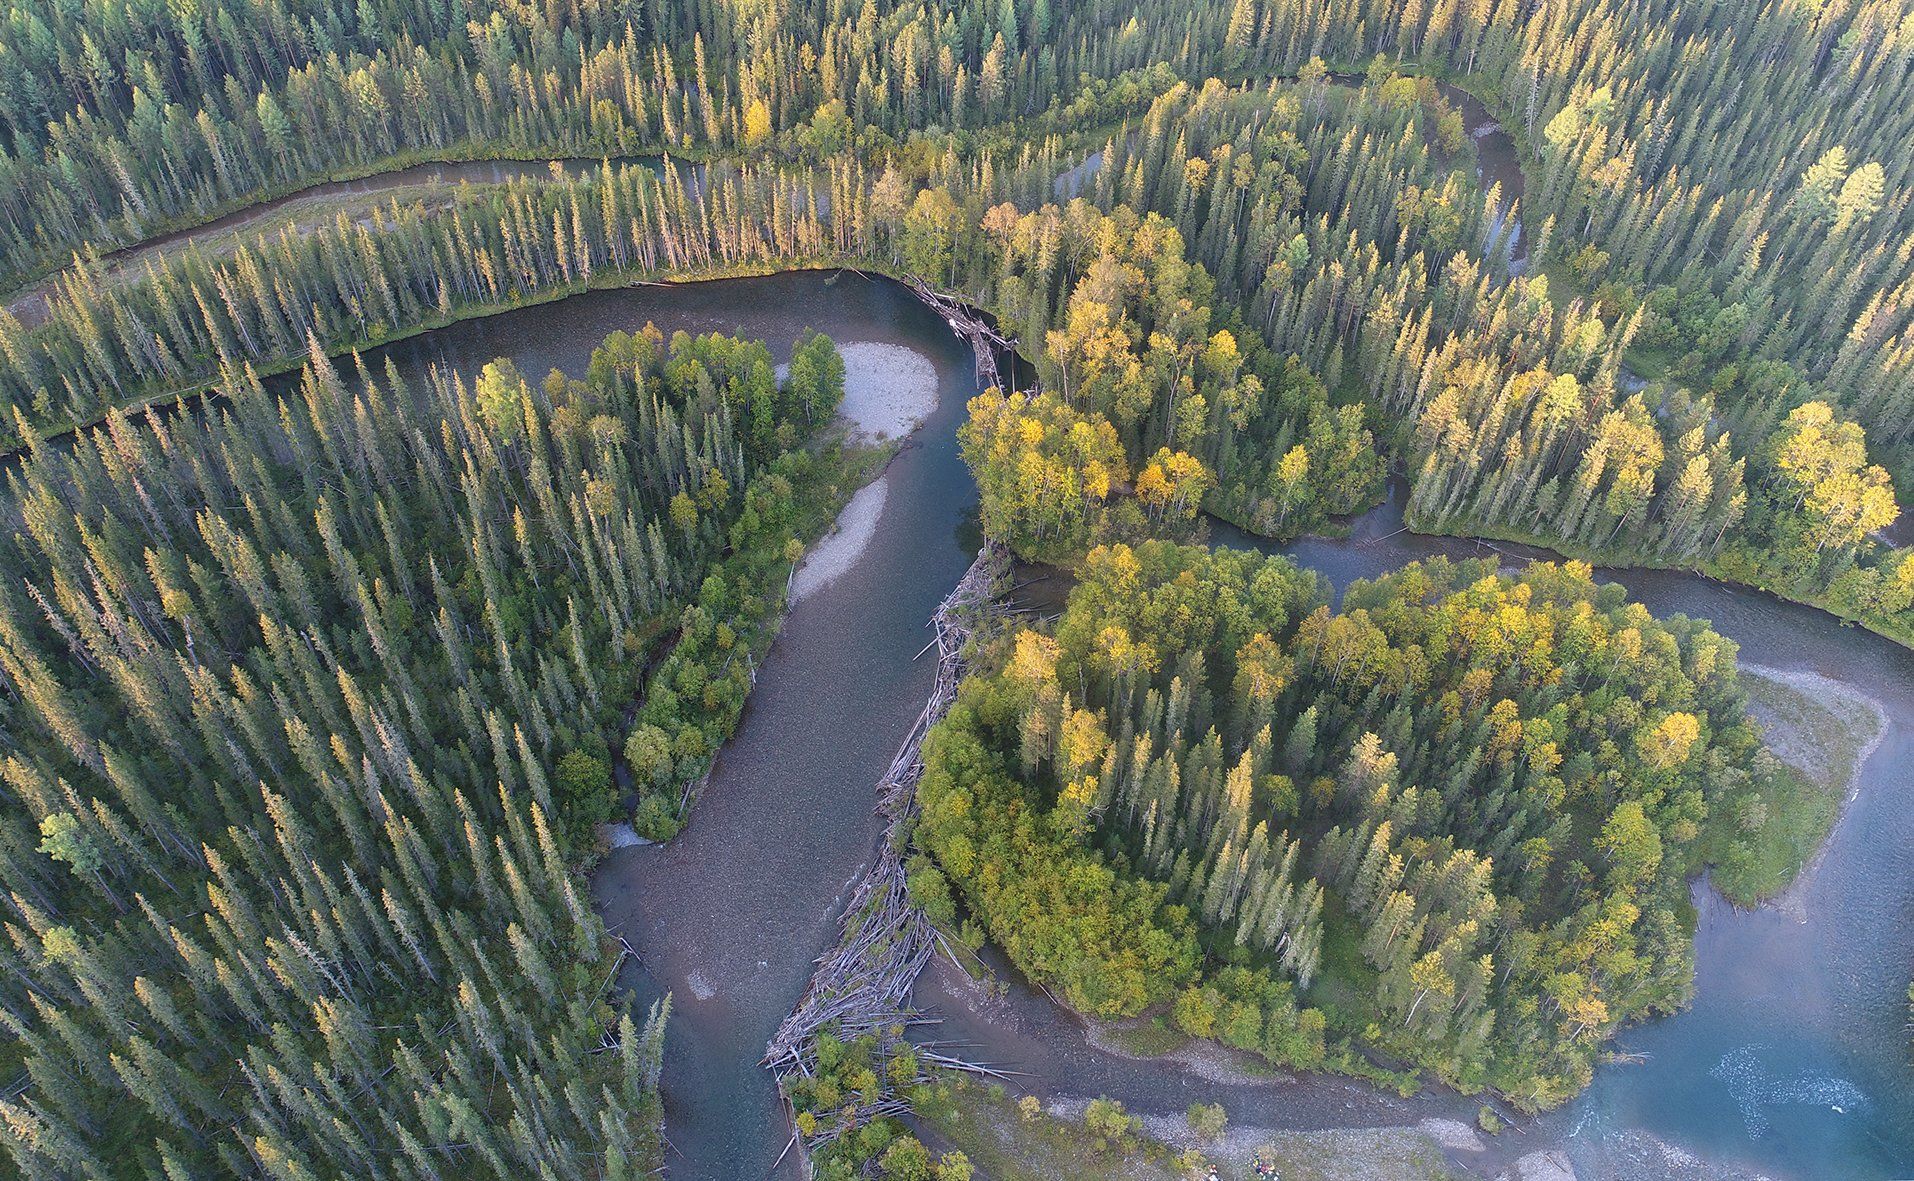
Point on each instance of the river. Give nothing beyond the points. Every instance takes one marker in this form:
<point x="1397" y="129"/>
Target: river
<point x="318" y="203"/>
<point x="729" y="915"/>
<point x="1793" y="1059"/>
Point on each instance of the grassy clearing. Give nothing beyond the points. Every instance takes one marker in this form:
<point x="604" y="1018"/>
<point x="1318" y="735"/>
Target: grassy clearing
<point x="1347" y="983"/>
<point x="1009" y="1143"/>
<point x="1819" y="730"/>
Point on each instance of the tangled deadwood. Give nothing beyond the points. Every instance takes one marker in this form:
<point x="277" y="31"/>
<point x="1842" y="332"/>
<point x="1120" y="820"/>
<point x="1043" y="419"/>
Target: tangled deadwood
<point x="984" y="339"/>
<point x="862" y="985"/>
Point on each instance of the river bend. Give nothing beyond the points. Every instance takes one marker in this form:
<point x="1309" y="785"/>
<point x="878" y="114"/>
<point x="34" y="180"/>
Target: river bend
<point x="1792" y="1062"/>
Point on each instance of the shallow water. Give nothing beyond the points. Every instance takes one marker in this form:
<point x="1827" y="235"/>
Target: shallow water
<point x="1794" y="1057"/>
<point x="1793" y="1019"/>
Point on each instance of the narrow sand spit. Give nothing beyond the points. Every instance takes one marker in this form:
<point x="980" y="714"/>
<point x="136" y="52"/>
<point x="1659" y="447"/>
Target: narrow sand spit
<point x="833" y="557"/>
<point x="888" y="392"/>
<point x="1792" y="746"/>
<point x="1839" y="698"/>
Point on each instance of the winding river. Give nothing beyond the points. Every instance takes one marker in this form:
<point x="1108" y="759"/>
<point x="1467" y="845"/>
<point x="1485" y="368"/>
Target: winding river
<point x="1792" y="1062"/>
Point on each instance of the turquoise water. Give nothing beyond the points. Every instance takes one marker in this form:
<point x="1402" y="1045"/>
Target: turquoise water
<point x="1792" y="1061"/>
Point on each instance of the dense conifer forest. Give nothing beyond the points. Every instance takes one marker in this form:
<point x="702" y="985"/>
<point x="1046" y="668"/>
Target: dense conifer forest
<point x="311" y="696"/>
<point x="313" y="680"/>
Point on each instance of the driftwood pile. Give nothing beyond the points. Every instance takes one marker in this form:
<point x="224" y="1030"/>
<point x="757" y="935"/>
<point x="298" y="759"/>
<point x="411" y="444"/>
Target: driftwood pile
<point x="964" y="320"/>
<point x="863" y="984"/>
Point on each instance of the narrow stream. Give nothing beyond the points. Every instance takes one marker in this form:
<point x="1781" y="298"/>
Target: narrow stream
<point x="1496" y="163"/>
<point x="31" y="304"/>
<point x="1793" y="1060"/>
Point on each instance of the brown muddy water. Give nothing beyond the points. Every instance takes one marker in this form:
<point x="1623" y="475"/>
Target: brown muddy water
<point x="1792" y="1062"/>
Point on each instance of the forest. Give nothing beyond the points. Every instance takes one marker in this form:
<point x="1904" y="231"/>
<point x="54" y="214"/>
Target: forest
<point x="1451" y="821"/>
<point x="312" y="695"/>
<point x="1265" y="345"/>
<point x="313" y="680"/>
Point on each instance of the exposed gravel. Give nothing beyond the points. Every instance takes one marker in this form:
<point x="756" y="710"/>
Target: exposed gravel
<point x="889" y="390"/>
<point x="831" y="558"/>
<point x="1802" y="745"/>
<point x="1542" y="1166"/>
<point x="1453" y="1135"/>
<point x="1829" y="753"/>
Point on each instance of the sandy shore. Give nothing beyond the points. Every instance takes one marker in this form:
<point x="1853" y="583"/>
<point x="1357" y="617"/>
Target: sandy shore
<point x="889" y="390"/>
<point x="621" y="835"/>
<point x="833" y="557"/>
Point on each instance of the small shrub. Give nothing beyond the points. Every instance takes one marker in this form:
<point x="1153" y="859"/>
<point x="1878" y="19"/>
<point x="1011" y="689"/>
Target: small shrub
<point x="1107" y="1120"/>
<point x="655" y="819"/>
<point x="1207" y="1120"/>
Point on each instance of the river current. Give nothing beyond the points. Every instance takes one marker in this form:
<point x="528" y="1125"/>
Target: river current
<point x="1792" y="1061"/>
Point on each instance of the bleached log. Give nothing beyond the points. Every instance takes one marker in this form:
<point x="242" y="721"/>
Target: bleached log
<point x="862" y="984"/>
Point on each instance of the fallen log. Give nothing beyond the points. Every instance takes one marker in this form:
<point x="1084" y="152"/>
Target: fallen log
<point x="862" y="984"/>
<point x="985" y="341"/>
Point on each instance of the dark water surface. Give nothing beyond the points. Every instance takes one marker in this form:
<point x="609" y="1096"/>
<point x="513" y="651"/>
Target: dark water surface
<point x="1793" y="1059"/>
<point x="1496" y="163"/>
<point x="729" y="916"/>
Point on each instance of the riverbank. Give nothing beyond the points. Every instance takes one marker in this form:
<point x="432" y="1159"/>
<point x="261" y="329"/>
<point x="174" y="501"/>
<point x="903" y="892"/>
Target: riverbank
<point x="1050" y="1139"/>
<point x="729" y="915"/>
<point x="889" y="391"/>
<point x="186" y="397"/>
<point x="1825" y="730"/>
<point x="751" y="890"/>
<point x="1556" y="549"/>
